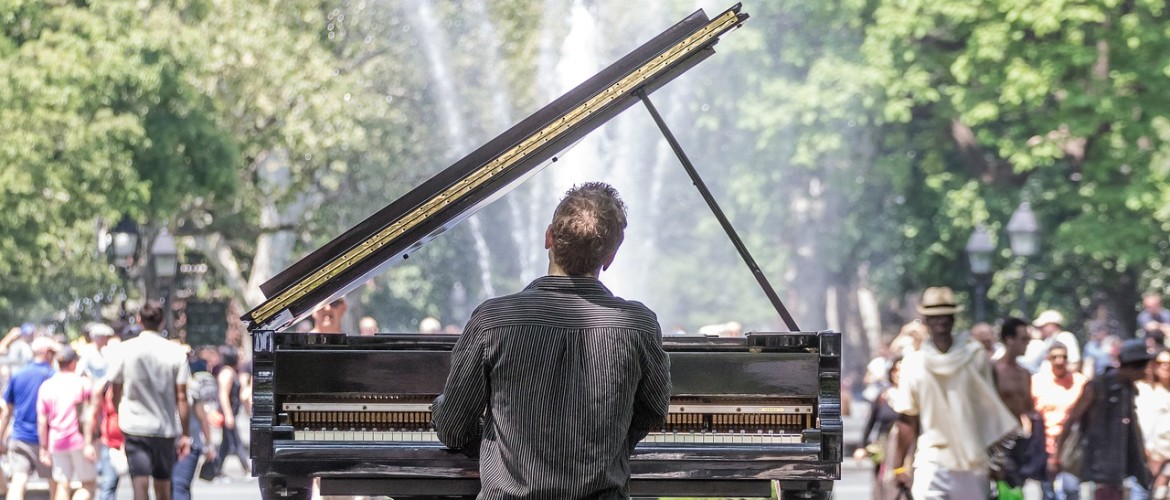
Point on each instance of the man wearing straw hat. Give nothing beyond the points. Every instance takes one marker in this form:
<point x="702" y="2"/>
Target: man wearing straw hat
<point x="948" y="399"/>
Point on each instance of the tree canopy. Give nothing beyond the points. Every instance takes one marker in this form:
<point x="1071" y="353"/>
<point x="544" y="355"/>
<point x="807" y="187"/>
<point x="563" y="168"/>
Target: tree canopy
<point x="855" y="145"/>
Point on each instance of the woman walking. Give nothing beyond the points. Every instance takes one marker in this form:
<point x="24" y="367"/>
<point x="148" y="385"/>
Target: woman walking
<point x="229" y="403"/>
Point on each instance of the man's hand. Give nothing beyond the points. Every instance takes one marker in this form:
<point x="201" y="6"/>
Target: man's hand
<point x="209" y="453"/>
<point x="90" y="452"/>
<point x="46" y="457"/>
<point x="1053" y="468"/>
<point x="229" y="420"/>
<point x="903" y="477"/>
<point x="183" y="447"/>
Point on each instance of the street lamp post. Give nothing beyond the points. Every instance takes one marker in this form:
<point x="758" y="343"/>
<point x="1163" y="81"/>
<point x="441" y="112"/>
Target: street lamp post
<point x="122" y="248"/>
<point x="166" y="264"/>
<point x="1023" y="232"/>
<point x="979" y="250"/>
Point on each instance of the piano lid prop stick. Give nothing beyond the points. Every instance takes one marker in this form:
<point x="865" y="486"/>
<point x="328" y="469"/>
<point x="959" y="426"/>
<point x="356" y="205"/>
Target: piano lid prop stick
<point x="706" y="193"/>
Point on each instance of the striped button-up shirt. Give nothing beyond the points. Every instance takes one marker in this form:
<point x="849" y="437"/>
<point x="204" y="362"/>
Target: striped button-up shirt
<point x="567" y="378"/>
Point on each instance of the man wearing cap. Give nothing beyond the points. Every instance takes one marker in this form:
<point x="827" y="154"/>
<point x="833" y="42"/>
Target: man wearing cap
<point x="16" y="345"/>
<point x="21" y="395"/>
<point x="946" y="394"/>
<point x="93" y="362"/>
<point x="1051" y="326"/>
<point x="60" y="437"/>
<point x="1110" y="436"/>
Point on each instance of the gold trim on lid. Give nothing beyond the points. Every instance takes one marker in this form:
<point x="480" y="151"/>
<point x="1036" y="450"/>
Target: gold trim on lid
<point x="501" y="163"/>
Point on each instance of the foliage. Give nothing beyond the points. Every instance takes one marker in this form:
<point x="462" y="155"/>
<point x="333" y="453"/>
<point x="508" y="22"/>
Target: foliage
<point x="853" y="145"/>
<point x="1055" y="102"/>
<point x="102" y="119"/>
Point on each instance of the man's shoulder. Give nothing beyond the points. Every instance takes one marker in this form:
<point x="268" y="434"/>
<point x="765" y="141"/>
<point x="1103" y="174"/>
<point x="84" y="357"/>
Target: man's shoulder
<point x="52" y="382"/>
<point x="547" y="297"/>
<point x="40" y="371"/>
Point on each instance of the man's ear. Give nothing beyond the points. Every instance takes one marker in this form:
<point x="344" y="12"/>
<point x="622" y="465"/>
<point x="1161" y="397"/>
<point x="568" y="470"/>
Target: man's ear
<point x="548" y="237"/>
<point x="609" y="261"/>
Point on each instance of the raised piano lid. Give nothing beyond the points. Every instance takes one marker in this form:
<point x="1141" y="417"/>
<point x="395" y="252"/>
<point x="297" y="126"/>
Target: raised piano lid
<point x="485" y="174"/>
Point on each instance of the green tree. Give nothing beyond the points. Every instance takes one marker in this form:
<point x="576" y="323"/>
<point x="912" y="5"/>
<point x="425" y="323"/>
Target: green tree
<point x="1056" y="102"/>
<point x="101" y="122"/>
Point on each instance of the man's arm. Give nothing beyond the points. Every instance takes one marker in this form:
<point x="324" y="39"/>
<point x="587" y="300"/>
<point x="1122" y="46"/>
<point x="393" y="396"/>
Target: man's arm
<point x="182" y="376"/>
<point x="456" y="413"/>
<point x="1074" y="351"/>
<point x="96" y="398"/>
<point x="183" y="446"/>
<point x="224" y="380"/>
<point x="116" y="390"/>
<point x="904" y="400"/>
<point x="11" y="337"/>
<point x="870" y="422"/>
<point x="43" y="410"/>
<point x="907" y="433"/>
<point x="5" y="420"/>
<point x="652" y="399"/>
<point x="205" y="424"/>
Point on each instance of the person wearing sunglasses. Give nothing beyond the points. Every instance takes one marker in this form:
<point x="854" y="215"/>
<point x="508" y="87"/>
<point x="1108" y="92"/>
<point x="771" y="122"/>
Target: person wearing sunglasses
<point x="327" y="318"/>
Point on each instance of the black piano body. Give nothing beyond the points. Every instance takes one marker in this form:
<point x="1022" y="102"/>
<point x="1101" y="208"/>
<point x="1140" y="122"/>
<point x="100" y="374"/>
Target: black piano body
<point x="354" y="412"/>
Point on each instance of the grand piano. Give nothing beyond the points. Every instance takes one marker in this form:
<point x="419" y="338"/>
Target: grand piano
<point x="353" y="412"/>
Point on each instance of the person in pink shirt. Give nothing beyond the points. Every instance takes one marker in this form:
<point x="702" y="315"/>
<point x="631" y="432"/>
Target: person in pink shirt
<point x="57" y="423"/>
<point x="1055" y="391"/>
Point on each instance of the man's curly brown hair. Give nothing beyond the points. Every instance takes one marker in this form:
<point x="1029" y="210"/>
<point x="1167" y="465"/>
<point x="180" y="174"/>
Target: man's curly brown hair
<point x="587" y="227"/>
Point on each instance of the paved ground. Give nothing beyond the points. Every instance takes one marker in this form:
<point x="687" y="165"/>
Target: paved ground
<point x="854" y="484"/>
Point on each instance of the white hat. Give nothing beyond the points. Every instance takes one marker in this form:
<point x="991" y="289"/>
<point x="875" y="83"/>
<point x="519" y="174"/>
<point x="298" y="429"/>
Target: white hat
<point x="100" y="330"/>
<point x="44" y="344"/>
<point x="1050" y="316"/>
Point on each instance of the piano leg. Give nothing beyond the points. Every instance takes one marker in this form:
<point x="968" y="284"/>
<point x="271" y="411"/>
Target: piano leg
<point x="285" y="488"/>
<point x="806" y="490"/>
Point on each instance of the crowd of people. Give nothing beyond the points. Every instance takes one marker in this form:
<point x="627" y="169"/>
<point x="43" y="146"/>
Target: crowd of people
<point x="120" y="401"/>
<point x="1021" y="409"/>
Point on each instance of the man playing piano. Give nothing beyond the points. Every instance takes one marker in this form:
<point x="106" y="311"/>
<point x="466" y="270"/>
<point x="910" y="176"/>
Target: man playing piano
<point x="554" y="386"/>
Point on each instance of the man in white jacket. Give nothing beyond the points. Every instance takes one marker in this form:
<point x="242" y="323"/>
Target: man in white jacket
<point x="947" y="395"/>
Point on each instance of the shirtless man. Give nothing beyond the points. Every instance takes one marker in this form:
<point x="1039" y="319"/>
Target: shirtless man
<point x="1014" y="384"/>
<point x="1013" y="381"/>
